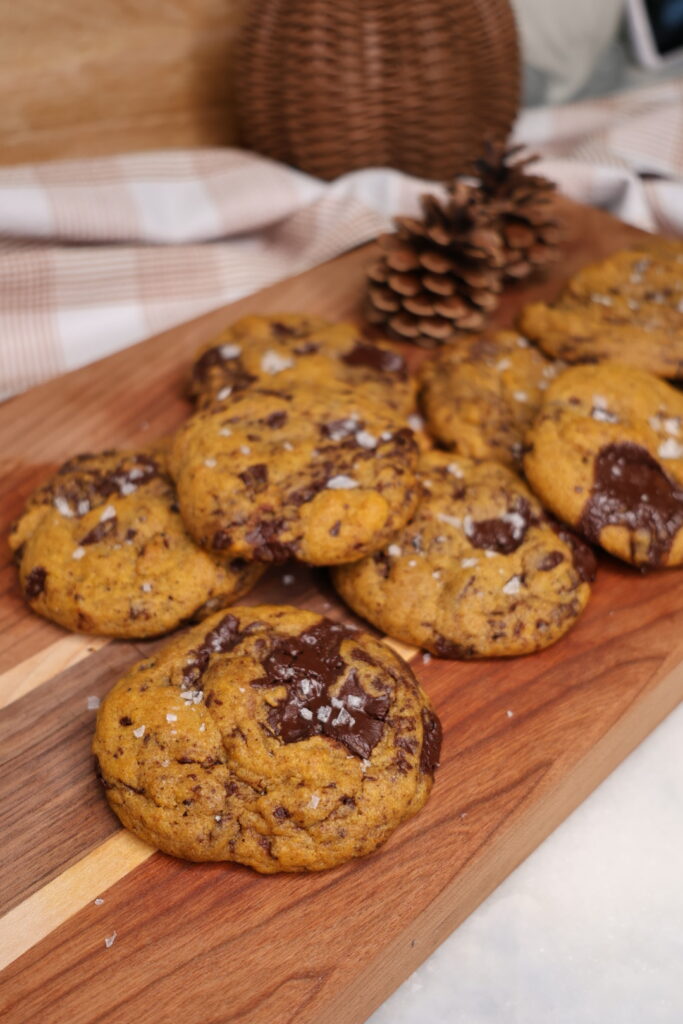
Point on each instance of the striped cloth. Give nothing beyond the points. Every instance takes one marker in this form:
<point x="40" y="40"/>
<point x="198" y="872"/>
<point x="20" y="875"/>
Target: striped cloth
<point x="98" y="254"/>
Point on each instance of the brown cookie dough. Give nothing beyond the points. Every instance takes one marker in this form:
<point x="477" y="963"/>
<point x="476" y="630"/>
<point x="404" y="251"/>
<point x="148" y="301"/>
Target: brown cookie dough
<point x="102" y="549"/>
<point x="478" y="572"/>
<point x="628" y="308"/>
<point x="268" y="736"/>
<point x="276" y="351"/>
<point x="324" y="476"/>
<point x="480" y="396"/>
<point x="606" y="456"/>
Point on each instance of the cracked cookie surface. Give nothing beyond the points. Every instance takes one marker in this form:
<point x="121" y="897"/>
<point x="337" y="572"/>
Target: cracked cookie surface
<point x="269" y="736"/>
<point x="606" y="456"/>
<point x="102" y="549"/>
<point x="627" y="308"/>
<point x="479" y="571"/>
<point x="480" y="396"/>
<point x="322" y="476"/>
<point x="276" y="351"/>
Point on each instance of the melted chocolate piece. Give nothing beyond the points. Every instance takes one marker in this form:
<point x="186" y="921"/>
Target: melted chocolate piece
<point x="431" y="742"/>
<point x="309" y="665"/>
<point x="444" y="648"/>
<point x="99" y="532"/>
<point x="220" y="640"/>
<point x="505" y="533"/>
<point x="255" y="477"/>
<point x="35" y="582"/>
<point x="550" y="561"/>
<point x="583" y="556"/>
<point x="276" y="420"/>
<point x="380" y="359"/>
<point x="235" y="377"/>
<point x="91" y="487"/>
<point x="267" y="548"/>
<point x="631" y="489"/>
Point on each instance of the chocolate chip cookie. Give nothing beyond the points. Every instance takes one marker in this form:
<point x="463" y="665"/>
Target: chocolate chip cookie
<point x="274" y="351"/>
<point x="628" y="308"/>
<point x="269" y="736"/>
<point x="480" y="396"/>
<point x="606" y="456"/>
<point x="102" y="549"/>
<point x="321" y="476"/>
<point x="479" y="571"/>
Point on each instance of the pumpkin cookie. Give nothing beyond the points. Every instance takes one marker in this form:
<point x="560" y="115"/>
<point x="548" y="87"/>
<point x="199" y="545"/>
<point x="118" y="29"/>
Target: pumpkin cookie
<point x="275" y="351"/>
<point x="324" y="477"/>
<point x="627" y="308"/>
<point x="478" y="572"/>
<point x="268" y="736"/>
<point x="480" y="396"/>
<point x="102" y="549"/>
<point x="606" y="456"/>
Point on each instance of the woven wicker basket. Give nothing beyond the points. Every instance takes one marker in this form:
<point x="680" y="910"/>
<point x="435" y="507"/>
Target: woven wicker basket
<point x="333" y="85"/>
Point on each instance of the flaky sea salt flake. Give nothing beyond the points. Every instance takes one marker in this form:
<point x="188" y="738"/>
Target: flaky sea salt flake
<point x="341" y="483"/>
<point x="272" y="362"/>
<point x="92" y="703"/>
<point x="78" y="553"/>
<point x="110" y="940"/>
<point x="139" y="732"/>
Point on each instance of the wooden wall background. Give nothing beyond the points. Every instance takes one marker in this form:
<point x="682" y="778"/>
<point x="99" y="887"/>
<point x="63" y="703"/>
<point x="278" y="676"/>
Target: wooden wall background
<point x="85" y="77"/>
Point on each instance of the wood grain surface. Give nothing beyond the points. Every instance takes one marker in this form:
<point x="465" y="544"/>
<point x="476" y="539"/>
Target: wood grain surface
<point x="97" y="926"/>
<point x="79" y="78"/>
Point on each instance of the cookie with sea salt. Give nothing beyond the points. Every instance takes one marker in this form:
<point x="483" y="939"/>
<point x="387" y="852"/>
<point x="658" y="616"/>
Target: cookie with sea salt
<point x="479" y="571"/>
<point x="606" y="456"/>
<point x="321" y="476"/>
<point x="274" y="351"/>
<point x="102" y="549"/>
<point x="627" y="308"/>
<point x="480" y="396"/>
<point x="269" y="736"/>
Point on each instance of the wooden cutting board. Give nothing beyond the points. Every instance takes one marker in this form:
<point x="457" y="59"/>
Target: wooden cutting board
<point x="525" y="741"/>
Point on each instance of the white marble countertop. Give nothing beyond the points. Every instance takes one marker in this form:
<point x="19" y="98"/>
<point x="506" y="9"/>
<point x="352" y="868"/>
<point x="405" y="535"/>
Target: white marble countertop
<point x="589" y="929"/>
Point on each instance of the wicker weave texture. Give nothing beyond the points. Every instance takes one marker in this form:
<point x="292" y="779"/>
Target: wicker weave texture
<point x="334" y="85"/>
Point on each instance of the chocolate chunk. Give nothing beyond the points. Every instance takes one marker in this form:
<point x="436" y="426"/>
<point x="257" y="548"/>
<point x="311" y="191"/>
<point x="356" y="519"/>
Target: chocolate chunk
<point x="308" y="666"/>
<point x="99" y="532"/>
<point x="552" y="559"/>
<point x="264" y="539"/>
<point x="125" y="720"/>
<point x="220" y="640"/>
<point x="505" y="533"/>
<point x="631" y="489"/>
<point x="255" y="477"/>
<point x="307" y="348"/>
<point x="431" y="742"/>
<point x="280" y="813"/>
<point x="221" y="540"/>
<point x="35" y="582"/>
<point x="207" y="361"/>
<point x="276" y="420"/>
<point x="335" y="528"/>
<point x="444" y="648"/>
<point x="583" y="556"/>
<point x="381" y="359"/>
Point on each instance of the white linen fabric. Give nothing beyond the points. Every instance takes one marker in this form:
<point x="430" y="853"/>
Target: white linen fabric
<point x="98" y="254"/>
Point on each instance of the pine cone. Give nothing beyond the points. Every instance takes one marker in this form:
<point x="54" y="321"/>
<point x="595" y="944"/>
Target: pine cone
<point x="439" y="275"/>
<point x="522" y="202"/>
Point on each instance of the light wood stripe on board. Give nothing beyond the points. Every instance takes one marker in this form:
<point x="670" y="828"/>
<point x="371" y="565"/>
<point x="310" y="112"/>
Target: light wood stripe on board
<point x="46" y="664"/>
<point x="43" y="911"/>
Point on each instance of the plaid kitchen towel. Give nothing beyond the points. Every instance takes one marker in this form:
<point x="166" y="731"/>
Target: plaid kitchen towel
<point x="98" y="254"/>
